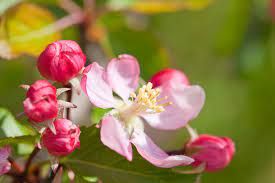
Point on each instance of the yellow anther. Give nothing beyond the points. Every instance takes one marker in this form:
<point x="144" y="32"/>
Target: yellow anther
<point x="166" y="104"/>
<point x="162" y="99"/>
<point x="147" y="99"/>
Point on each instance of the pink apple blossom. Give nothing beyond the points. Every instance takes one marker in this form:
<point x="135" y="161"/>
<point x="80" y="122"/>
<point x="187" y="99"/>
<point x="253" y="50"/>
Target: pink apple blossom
<point x="167" y="75"/>
<point x="168" y="107"/>
<point x="41" y="102"/>
<point x="61" y="61"/>
<point x="5" y="165"/>
<point x="215" y="152"/>
<point x="64" y="141"/>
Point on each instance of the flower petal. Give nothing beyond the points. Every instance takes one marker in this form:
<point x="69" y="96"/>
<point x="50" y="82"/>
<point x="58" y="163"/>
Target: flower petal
<point x="94" y="83"/>
<point x="152" y="153"/>
<point x="187" y="101"/>
<point x="4" y="167"/>
<point x="123" y="75"/>
<point x="115" y="137"/>
<point x="4" y="163"/>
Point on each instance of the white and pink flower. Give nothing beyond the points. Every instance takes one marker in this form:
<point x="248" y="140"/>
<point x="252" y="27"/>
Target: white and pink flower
<point x="168" y="107"/>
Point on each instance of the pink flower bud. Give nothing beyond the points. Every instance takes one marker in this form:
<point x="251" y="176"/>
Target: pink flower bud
<point x="41" y="103"/>
<point x="215" y="152"/>
<point x="65" y="140"/>
<point x="61" y="61"/>
<point x="169" y="75"/>
<point x="5" y="165"/>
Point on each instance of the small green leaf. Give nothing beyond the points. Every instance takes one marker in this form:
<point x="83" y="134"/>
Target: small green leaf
<point x="95" y="159"/>
<point x="13" y="132"/>
<point x="25" y="148"/>
<point x="80" y="179"/>
<point x="16" y="140"/>
<point x="90" y="179"/>
<point x="9" y="127"/>
<point x="97" y="114"/>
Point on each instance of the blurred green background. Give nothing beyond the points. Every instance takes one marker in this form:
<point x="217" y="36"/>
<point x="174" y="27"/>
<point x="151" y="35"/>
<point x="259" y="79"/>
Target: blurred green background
<point x="226" y="47"/>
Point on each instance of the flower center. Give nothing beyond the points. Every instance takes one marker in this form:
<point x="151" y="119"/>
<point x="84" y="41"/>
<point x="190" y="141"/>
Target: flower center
<point x="145" y="101"/>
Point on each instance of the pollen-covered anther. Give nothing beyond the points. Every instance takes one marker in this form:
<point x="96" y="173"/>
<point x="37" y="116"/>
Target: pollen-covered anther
<point x="147" y="98"/>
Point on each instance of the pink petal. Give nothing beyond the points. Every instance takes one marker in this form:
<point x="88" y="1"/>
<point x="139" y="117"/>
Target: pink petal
<point x="94" y="83"/>
<point x="123" y="75"/>
<point x="115" y="137"/>
<point x="187" y="101"/>
<point x="4" y="153"/>
<point x="152" y="153"/>
<point x="5" y="165"/>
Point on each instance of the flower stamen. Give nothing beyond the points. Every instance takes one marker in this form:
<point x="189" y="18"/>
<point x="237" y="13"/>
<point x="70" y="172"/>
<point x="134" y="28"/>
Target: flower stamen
<point x="146" y="100"/>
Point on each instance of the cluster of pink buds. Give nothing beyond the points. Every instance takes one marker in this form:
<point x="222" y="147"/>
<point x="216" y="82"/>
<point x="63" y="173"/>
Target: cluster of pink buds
<point x="62" y="62"/>
<point x="167" y="102"/>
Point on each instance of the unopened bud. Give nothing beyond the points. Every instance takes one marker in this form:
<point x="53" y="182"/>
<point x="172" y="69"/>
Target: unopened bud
<point x="61" y="61"/>
<point x="64" y="141"/>
<point x="215" y="152"/>
<point x="168" y="75"/>
<point x="41" y="103"/>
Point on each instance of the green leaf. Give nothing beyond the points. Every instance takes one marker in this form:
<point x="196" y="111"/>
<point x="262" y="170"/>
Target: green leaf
<point x="5" y="5"/>
<point x="80" y="179"/>
<point x="9" y="127"/>
<point x="95" y="159"/>
<point x="13" y="132"/>
<point x="26" y="29"/>
<point x="16" y="140"/>
<point x="97" y="114"/>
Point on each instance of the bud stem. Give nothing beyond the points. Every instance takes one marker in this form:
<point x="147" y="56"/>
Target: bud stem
<point x="69" y="99"/>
